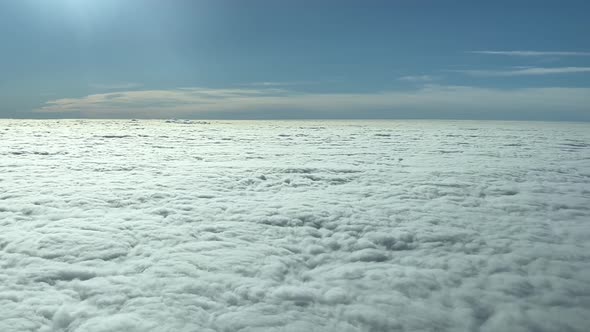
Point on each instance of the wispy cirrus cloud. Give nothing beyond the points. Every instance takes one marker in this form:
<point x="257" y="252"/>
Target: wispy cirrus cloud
<point x="274" y="83"/>
<point x="529" y="71"/>
<point x="532" y="53"/>
<point x="419" y="78"/>
<point x="433" y="100"/>
<point x="116" y="86"/>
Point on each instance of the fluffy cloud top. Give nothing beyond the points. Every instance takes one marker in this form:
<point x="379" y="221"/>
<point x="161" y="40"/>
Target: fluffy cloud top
<point x="294" y="226"/>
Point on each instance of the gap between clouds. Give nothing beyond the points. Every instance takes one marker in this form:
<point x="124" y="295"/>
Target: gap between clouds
<point x="440" y="99"/>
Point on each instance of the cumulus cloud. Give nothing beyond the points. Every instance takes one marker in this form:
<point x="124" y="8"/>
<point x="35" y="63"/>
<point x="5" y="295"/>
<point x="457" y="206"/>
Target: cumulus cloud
<point x="526" y="71"/>
<point x="533" y="53"/>
<point x="291" y="226"/>
<point x="434" y="100"/>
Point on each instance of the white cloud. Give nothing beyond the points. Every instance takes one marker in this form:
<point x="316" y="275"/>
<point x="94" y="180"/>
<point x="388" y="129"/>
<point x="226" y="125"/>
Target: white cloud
<point x="532" y="53"/>
<point x="115" y="86"/>
<point x="531" y="71"/>
<point x="418" y="78"/>
<point x="439" y="100"/>
<point x="294" y="226"/>
<point x="270" y="83"/>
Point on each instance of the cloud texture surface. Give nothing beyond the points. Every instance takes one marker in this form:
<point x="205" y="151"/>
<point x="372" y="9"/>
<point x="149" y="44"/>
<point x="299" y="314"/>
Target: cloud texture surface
<point x="294" y="226"/>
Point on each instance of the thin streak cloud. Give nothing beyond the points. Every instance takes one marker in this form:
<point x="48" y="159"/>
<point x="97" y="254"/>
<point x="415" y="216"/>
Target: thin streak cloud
<point x="273" y="83"/>
<point x="526" y="71"/>
<point x="115" y="86"/>
<point x="418" y="78"/>
<point x="532" y="53"/>
<point x="436" y="99"/>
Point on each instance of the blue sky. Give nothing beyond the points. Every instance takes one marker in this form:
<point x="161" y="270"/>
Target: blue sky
<point x="295" y="59"/>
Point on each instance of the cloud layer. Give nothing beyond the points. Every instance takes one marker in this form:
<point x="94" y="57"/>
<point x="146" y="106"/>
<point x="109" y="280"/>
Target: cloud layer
<point x="435" y="101"/>
<point x="294" y="226"/>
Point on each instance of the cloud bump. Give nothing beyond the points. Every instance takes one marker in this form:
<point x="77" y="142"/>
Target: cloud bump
<point x="118" y="225"/>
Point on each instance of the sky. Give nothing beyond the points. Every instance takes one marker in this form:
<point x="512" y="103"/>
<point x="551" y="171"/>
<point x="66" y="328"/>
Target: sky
<point x="262" y="59"/>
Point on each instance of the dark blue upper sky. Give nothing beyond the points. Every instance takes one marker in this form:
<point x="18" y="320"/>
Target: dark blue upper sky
<point x="283" y="59"/>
